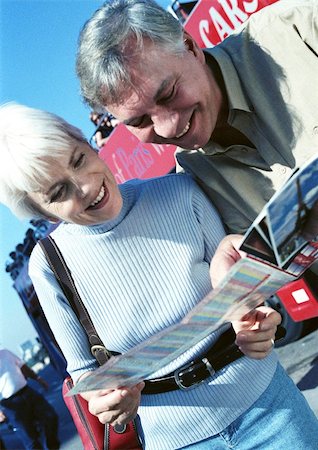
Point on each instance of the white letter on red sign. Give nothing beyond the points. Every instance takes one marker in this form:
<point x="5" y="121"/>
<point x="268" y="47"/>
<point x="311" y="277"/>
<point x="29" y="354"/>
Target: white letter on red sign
<point x="222" y="27"/>
<point x="250" y="7"/>
<point x="234" y="13"/>
<point x="204" y="32"/>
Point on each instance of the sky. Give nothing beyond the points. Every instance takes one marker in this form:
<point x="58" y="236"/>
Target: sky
<point x="37" y="59"/>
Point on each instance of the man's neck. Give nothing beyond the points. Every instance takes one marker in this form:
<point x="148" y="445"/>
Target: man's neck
<point x="226" y="135"/>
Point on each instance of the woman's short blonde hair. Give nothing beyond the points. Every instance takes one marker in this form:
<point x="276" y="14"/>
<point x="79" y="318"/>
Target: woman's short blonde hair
<point x="27" y="137"/>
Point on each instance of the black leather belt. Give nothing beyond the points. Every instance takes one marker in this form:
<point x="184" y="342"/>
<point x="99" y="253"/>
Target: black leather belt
<point x="222" y="353"/>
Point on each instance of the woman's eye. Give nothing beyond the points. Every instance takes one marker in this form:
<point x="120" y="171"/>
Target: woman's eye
<point x="78" y="162"/>
<point x="57" y="195"/>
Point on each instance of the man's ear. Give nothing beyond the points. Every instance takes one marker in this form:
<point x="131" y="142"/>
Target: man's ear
<point x="192" y="46"/>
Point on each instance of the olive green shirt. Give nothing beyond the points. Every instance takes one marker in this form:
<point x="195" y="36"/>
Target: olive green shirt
<point x="270" y="70"/>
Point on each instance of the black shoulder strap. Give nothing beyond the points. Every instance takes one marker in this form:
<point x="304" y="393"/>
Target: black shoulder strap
<point x="64" y="277"/>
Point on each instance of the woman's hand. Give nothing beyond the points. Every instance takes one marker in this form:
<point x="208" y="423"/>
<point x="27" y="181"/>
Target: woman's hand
<point x="255" y="332"/>
<point x="115" y="406"/>
<point x="226" y="255"/>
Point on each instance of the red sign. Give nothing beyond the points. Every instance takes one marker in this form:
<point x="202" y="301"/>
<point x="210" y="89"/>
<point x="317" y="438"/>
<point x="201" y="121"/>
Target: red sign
<point x="129" y="158"/>
<point x="299" y="301"/>
<point x="211" y="21"/>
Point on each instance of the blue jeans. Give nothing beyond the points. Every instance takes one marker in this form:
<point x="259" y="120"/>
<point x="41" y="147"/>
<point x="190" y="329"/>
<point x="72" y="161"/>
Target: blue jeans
<point x="279" y="419"/>
<point x="27" y="410"/>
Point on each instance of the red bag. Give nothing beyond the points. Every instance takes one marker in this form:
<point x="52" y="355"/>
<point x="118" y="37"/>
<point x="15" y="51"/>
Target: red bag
<point x="95" y="435"/>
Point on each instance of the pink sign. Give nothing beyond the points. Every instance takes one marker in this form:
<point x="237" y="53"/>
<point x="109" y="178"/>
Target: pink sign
<point x="211" y="21"/>
<point x="129" y="158"/>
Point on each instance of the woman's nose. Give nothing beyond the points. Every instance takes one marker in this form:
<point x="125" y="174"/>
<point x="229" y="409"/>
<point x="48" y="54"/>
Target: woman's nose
<point x="81" y="186"/>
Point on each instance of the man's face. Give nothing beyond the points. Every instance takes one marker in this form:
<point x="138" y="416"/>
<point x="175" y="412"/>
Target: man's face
<point x="175" y="100"/>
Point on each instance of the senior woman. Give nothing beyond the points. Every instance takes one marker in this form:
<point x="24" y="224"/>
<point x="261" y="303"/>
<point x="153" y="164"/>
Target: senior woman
<point x="139" y="254"/>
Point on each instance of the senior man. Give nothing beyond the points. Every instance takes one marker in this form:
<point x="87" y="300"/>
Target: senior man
<point x="244" y="113"/>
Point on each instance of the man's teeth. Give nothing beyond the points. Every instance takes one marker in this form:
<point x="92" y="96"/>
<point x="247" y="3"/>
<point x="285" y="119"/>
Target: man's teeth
<point x="186" y="128"/>
<point x="99" y="197"/>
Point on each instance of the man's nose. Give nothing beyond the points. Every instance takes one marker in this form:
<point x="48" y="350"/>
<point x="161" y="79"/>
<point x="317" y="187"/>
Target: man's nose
<point x="165" y="124"/>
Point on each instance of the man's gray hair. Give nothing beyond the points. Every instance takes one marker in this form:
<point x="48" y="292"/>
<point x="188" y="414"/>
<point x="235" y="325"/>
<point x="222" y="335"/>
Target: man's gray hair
<point x="28" y="137"/>
<point x="105" y="44"/>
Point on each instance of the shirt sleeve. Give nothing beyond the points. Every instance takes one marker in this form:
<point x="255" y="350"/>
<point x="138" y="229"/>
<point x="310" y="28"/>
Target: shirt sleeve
<point x="14" y="358"/>
<point x="63" y="322"/>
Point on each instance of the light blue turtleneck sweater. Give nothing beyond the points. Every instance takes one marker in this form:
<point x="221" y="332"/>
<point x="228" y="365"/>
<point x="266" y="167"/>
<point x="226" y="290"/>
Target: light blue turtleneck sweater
<point x="138" y="274"/>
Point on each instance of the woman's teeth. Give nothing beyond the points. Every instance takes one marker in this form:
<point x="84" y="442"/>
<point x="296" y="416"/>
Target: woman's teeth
<point x="99" y="197"/>
<point x="183" y="132"/>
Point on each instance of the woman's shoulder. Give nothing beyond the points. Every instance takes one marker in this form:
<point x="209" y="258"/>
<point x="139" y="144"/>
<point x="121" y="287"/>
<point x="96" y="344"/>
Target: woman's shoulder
<point x="175" y="180"/>
<point x="38" y="260"/>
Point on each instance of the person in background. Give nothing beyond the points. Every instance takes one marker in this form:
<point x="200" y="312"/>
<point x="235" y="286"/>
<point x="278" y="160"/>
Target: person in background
<point x="26" y="409"/>
<point x="105" y="124"/>
<point x="3" y="419"/>
<point x="148" y="246"/>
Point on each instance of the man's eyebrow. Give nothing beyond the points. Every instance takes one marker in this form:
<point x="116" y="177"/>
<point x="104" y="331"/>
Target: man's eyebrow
<point x="162" y="88"/>
<point x="70" y="163"/>
<point x="160" y="91"/>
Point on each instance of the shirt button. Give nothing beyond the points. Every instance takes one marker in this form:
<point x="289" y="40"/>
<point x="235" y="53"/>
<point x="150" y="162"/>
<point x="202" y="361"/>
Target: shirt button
<point x="315" y="130"/>
<point x="283" y="170"/>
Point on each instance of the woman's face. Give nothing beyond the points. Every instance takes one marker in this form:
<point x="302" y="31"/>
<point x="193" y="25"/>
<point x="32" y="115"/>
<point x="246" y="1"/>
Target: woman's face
<point x="81" y="188"/>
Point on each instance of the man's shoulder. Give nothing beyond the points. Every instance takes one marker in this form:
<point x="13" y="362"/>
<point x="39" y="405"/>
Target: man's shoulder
<point x="282" y="11"/>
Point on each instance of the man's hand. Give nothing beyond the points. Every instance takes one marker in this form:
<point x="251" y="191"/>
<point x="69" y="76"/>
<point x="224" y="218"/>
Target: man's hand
<point x="310" y="230"/>
<point x="255" y="332"/>
<point x="226" y="255"/>
<point x="115" y="406"/>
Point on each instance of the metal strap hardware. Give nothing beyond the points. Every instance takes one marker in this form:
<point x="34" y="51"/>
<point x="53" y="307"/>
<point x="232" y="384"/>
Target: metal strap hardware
<point x="190" y="375"/>
<point x="97" y="348"/>
<point x="120" y="429"/>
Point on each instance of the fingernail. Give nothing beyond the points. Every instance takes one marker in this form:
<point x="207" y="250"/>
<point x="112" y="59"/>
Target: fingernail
<point x="124" y="393"/>
<point x="241" y="336"/>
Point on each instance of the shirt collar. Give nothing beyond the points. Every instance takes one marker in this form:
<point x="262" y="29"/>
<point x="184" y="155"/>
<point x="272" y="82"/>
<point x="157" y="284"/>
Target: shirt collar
<point x="236" y="97"/>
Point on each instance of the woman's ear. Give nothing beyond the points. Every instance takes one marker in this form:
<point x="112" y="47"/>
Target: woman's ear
<point x="53" y="219"/>
<point x="192" y="46"/>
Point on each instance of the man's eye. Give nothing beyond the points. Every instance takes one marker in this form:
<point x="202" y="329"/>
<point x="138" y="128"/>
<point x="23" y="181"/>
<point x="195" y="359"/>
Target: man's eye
<point x="78" y="162"/>
<point x="169" y="96"/>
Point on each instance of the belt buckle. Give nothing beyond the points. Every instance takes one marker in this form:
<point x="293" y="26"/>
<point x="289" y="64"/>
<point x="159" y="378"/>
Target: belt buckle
<point x="190" y="369"/>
